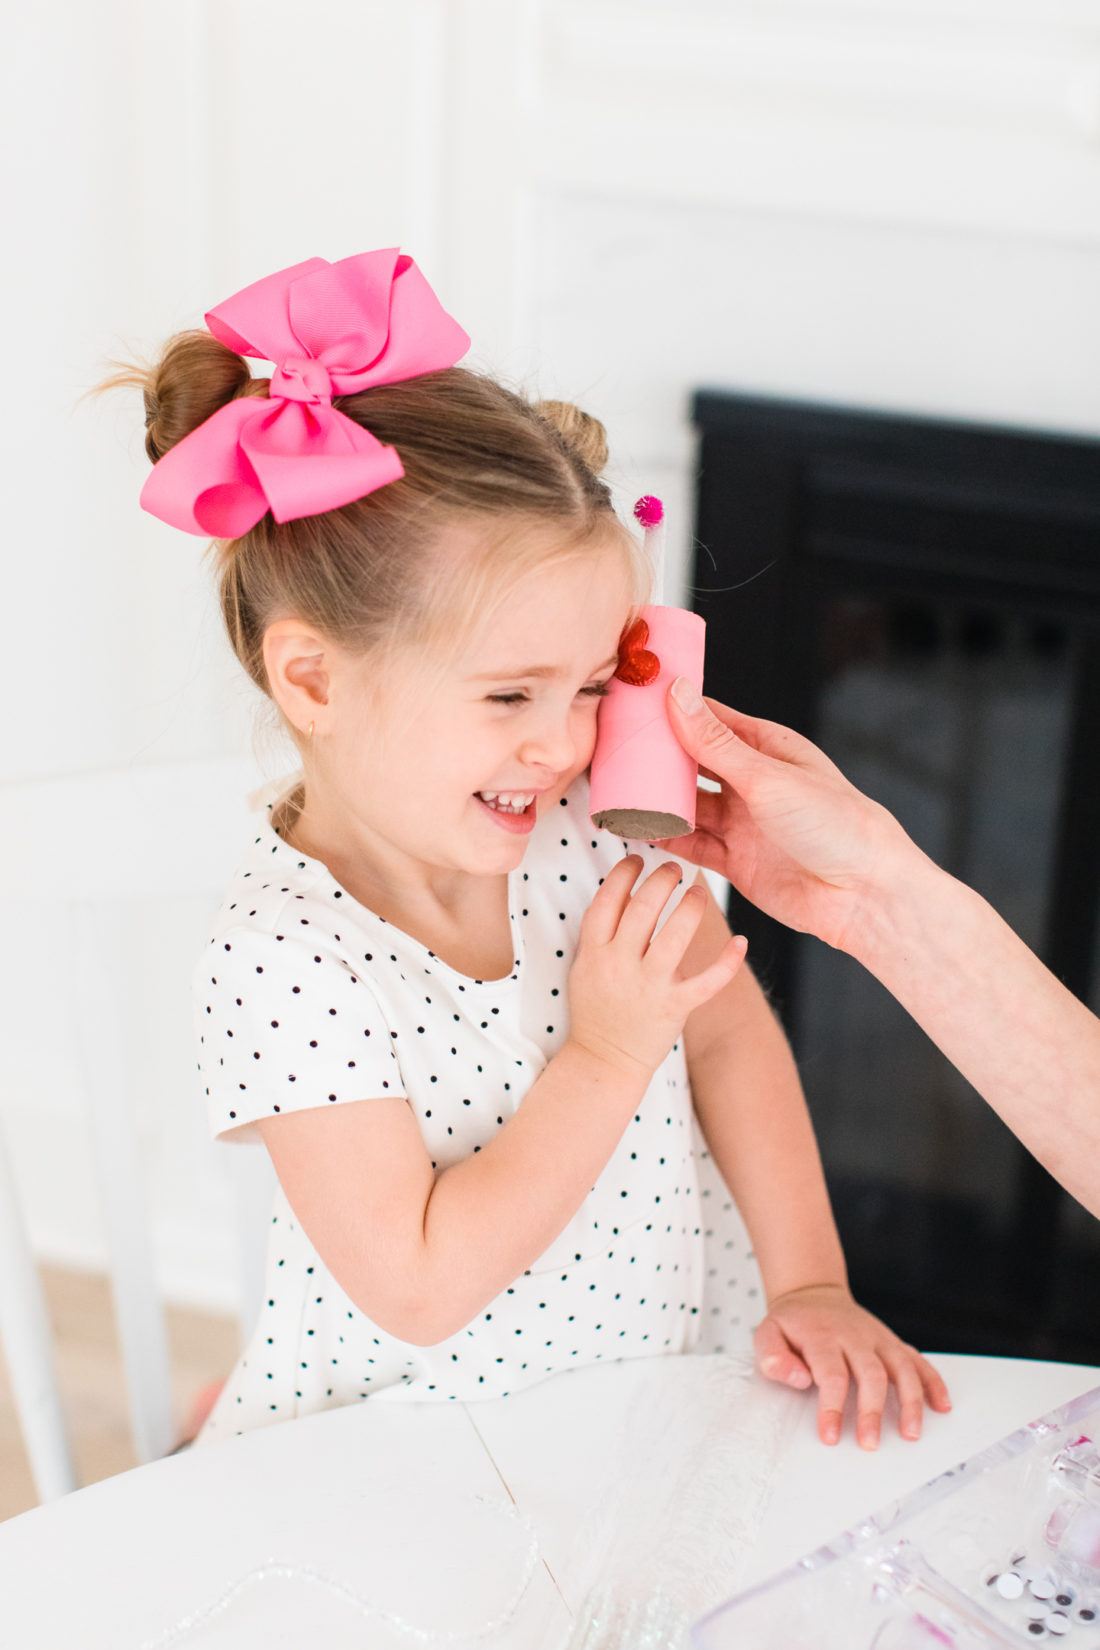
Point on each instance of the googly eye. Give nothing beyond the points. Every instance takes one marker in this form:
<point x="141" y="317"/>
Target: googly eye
<point x="1009" y="1585"/>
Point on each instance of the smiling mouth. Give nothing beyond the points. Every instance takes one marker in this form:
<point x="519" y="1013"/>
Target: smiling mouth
<point x="508" y="802"/>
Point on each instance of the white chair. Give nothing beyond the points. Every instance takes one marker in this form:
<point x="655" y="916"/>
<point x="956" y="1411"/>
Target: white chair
<point x="25" y="1336"/>
<point x="141" y="833"/>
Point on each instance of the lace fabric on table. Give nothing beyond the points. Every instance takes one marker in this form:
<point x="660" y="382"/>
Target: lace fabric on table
<point x="666" y="1517"/>
<point x="283" y="1604"/>
<point x="666" y="1541"/>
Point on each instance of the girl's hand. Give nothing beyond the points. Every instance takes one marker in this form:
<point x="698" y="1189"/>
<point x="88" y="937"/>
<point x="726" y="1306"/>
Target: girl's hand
<point x="628" y="997"/>
<point x="819" y="1335"/>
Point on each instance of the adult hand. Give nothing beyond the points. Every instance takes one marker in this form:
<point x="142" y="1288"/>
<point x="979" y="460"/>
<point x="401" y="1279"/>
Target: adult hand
<point x="799" y="841"/>
<point x="786" y="827"/>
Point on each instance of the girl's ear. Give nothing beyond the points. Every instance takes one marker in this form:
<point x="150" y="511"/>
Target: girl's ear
<point x="299" y="666"/>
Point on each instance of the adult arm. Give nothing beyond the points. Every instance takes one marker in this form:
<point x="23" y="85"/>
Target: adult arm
<point x="798" y="840"/>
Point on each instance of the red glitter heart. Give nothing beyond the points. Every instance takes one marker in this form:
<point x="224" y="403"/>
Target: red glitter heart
<point x="637" y="666"/>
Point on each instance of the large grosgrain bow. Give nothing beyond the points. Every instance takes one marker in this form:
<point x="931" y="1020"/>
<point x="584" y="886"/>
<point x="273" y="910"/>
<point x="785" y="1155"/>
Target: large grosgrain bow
<point x="330" y="329"/>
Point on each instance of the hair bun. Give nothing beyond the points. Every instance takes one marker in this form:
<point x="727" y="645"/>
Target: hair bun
<point x="579" y="430"/>
<point x="195" y="376"/>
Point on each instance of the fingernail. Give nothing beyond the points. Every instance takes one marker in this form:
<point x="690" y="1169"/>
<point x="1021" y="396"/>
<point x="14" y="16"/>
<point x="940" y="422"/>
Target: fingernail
<point x="687" y="696"/>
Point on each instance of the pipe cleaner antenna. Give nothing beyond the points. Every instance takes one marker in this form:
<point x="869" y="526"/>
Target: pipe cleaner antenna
<point x="649" y="513"/>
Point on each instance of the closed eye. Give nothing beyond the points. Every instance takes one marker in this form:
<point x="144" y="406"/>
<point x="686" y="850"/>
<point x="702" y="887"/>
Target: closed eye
<point x="594" y="690"/>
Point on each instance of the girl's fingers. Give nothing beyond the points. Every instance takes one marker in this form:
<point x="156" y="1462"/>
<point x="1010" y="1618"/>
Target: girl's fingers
<point x="902" y="1368"/>
<point x="643" y="911"/>
<point x="872" y="1384"/>
<point x="830" y="1373"/>
<point x="702" y="987"/>
<point x="668" y="947"/>
<point x="777" y="1358"/>
<point x="935" y="1387"/>
<point x="834" y="1360"/>
<point x="601" y="920"/>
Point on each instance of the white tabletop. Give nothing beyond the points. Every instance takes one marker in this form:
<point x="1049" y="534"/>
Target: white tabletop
<point x="437" y="1524"/>
<point x="820" y="1492"/>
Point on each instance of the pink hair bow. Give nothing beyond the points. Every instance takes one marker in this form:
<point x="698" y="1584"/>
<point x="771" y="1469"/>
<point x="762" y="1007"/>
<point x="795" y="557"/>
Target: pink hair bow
<point x="330" y="329"/>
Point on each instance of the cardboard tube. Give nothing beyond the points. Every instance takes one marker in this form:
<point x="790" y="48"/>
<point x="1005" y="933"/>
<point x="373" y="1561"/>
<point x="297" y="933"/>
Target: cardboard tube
<point x="643" y="780"/>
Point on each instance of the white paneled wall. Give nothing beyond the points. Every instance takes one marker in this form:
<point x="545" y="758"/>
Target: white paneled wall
<point x="891" y="203"/>
<point x="894" y="203"/>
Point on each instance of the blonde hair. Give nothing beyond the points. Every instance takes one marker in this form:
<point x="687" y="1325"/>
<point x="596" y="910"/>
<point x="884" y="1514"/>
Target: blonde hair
<point x="371" y="574"/>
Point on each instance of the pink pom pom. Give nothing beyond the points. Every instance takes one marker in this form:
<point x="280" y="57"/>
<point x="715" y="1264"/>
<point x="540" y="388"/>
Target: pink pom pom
<point x="650" y="512"/>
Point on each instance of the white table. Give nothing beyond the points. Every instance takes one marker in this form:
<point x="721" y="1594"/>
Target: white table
<point x="364" y="1493"/>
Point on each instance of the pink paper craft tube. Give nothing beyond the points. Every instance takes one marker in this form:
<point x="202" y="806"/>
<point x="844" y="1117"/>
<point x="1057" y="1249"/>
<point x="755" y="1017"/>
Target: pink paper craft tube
<point x="643" y="781"/>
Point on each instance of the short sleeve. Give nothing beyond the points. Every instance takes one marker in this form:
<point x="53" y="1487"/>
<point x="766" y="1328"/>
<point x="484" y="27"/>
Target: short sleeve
<point x="285" y="1025"/>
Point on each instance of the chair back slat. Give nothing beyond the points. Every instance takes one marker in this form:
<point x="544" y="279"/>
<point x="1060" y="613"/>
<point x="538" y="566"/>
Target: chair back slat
<point x="101" y="962"/>
<point x="104" y="844"/>
<point x="28" y="1349"/>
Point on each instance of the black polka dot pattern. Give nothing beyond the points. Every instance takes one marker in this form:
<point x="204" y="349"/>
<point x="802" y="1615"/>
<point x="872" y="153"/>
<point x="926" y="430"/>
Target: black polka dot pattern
<point x="347" y="1008"/>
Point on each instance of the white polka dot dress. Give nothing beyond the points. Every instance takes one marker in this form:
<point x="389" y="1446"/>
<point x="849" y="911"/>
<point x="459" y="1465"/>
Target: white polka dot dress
<point x="304" y="998"/>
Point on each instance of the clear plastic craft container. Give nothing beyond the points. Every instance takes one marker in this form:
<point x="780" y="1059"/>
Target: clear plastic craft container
<point x="1003" y="1550"/>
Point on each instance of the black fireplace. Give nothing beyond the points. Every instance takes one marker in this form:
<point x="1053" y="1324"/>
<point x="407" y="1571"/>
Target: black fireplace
<point x="923" y="599"/>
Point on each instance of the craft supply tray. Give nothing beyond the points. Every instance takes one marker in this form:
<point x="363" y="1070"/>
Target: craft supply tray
<point x="1003" y="1550"/>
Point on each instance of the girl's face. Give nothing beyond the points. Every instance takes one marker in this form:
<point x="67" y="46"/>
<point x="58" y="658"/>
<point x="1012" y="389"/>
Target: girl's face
<point x="450" y="766"/>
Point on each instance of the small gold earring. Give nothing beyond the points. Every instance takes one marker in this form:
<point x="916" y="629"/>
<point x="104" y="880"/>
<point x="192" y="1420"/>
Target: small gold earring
<point x="310" y="734"/>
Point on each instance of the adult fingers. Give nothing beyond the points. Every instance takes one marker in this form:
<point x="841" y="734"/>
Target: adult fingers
<point x="777" y="1358"/>
<point x="772" y="739"/>
<point x="725" y="741"/>
<point x="702" y="851"/>
<point x="705" y="735"/>
<point x="719" y="821"/>
<point x="702" y="848"/>
<point x="601" y="920"/>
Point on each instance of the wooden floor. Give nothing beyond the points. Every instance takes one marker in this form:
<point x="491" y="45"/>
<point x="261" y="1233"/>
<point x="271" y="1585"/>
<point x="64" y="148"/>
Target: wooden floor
<point x="201" y="1347"/>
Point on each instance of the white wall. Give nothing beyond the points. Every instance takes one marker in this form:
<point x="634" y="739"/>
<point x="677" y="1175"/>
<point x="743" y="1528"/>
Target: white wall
<point x="891" y="203"/>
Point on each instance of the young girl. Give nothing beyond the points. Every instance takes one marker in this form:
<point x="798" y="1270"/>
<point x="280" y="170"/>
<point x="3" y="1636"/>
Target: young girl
<point x="496" y="1055"/>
